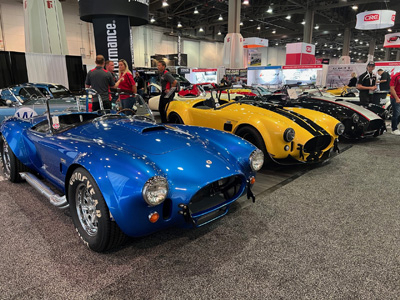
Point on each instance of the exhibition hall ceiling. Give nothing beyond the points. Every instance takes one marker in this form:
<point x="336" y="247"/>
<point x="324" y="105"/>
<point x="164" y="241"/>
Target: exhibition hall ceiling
<point x="280" y="21"/>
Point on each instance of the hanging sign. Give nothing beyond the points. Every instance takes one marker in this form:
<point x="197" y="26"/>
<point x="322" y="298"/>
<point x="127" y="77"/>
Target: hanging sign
<point x="392" y="40"/>
<point x="254" y="42"/>
<point x="375" y="19"/>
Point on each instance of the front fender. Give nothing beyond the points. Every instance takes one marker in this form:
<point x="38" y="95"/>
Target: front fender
<point x="120" y="178"/>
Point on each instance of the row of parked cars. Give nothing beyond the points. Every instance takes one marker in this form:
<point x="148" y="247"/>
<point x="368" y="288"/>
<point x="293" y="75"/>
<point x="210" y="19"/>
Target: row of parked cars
<point x="125" y="175"/>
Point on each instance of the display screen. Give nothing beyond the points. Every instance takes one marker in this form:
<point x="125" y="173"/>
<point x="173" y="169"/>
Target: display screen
<point x="300" y="76"/>
<point x="264" y="76"/>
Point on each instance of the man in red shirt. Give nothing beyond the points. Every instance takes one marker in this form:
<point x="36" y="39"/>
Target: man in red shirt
<point x="395" y="101"/>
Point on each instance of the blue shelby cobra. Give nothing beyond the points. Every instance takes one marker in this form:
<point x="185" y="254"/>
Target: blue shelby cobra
<point x="128" y="176"/>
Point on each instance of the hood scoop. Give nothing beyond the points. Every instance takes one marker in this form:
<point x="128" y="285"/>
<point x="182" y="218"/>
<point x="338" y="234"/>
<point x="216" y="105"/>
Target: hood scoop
<point x="154" y="128"/>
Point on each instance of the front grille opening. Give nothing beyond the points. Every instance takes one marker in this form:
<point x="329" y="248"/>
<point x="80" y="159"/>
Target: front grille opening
<point x="215" y="194"/>
<point x="167" y="209"/>
<point x="318" y="143"/>
<point x="375" y="124"/>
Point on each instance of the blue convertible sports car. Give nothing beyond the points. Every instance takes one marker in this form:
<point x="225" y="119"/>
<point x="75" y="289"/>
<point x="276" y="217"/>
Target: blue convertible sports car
<point x="128" y="176"/>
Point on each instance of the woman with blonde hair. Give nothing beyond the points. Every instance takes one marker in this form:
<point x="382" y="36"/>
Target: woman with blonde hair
<point x="353" y="80"/>
<point x="126" y="83"/>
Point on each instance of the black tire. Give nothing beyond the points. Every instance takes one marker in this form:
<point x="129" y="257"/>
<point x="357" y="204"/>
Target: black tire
<point x="174" y="118"/>
<point x="90" y="213"/>
<point x="10" y="163"/>
<point x="253" y="136"/>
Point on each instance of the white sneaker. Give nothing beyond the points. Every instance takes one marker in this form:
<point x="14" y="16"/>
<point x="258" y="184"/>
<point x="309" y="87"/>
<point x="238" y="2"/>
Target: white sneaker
<point x="396" y="132"/>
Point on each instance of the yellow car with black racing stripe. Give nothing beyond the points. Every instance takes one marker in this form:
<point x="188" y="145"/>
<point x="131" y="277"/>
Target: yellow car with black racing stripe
<point x="285" y="135"/>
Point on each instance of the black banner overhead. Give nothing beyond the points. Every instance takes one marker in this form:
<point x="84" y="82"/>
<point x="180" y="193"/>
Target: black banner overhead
<point x="136" y="10"/>
<point x="113" y="38"/>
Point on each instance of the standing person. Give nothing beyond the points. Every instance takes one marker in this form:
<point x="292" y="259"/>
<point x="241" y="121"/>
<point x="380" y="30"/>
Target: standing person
<point x="384" y="86"/>
<point x="110" y="68"/>
<point x="225" y="81"/>
<point x="395" y="101"/>
<point x="367" y="84"/>
<point x="384" y="81"/>
<point x="139" y="84"/>
<point x="100" y="80"/>
<point x="125" y="83"/>
<point x="168" y="88"/>
<point x="353" y="80"/>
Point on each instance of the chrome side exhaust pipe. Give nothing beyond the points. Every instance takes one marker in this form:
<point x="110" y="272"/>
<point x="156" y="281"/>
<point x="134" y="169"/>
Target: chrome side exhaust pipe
<point x="56" y="200"/>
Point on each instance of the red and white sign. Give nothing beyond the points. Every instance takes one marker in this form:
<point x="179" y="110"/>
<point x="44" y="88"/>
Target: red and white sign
<point x="254" y="42"/>
<point x="371" y="17"/>
<point x="392" y="40"/>
<point x="376" y="19"/>
<point x="300" y="53"/>
<point x="302" y="67"/>
<point x="49" y="4"/>
<point x="204" y="70"/>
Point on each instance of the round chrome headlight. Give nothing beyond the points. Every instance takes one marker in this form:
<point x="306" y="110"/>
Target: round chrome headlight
<point x="355" y="117"/>
<point x="339" y="129"/>
<point x="155" y="190"/>
<point x="288" y="135"/>
<point x="256" y="160"/>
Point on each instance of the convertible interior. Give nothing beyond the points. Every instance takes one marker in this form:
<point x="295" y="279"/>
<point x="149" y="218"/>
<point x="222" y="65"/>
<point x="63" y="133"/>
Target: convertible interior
<point x="66" y="122"/>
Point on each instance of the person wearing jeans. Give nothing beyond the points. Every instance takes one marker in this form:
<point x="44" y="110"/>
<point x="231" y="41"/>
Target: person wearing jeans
<point x="395" y="101"/>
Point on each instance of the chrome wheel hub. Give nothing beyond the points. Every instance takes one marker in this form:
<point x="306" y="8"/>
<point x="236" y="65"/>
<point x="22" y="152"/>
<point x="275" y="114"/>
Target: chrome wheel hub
<point x="86" y="209"/>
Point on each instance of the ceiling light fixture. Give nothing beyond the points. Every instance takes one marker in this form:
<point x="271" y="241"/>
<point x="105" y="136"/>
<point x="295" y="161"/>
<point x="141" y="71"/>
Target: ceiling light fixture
<point x="220" y="18"/>
<point x="152" y="20"/>
<point x="165" y="3"/>
<point x="339" y="34"/>
<point x="303" y="23"/>
<point x="246" y="2"/>
<point x="195" y="11"/>
<point x="276" y="44"/>
<point x="269" y="10"/>
<point x="201" y="29"/>
<point x="219" y="32"/>
<point x="288" y="17"/>
<point x="179" y="25"/>
<point x="354" y="7"/>
<point x="273" y="31"/>
<point x="241" y="23"/>
<point x="390" y="30"/>
<point x="316" y="27"/>
<point x="258" y="27"/>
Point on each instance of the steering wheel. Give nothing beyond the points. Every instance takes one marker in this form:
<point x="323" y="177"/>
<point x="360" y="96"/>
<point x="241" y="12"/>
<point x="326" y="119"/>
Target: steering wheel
<point x="127" y="110"/>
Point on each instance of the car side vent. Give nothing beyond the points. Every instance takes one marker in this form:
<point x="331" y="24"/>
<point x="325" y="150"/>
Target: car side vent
<point x="155" y="128"/>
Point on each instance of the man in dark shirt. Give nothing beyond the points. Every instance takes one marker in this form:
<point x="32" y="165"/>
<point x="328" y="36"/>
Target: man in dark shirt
<point x="168" y="88"/>
<point x="139" y="84"/>
<point x="367" y="84"/>
<point x="384" y="82"/>
<point x="101" y="81"/>
<point x="110" y="67"/>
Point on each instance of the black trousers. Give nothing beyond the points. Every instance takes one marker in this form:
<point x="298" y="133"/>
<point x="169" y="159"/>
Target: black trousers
<point x="163" y="106"/>
<point x="365" y="99"/>
<point x="96" y="105"/>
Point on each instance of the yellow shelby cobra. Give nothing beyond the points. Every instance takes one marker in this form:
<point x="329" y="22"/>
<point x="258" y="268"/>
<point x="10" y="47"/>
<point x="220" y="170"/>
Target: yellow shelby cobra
<point x="286" y="136"/>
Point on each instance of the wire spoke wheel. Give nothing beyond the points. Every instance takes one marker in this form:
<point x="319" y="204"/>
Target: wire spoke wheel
<point x="86" y="210"/>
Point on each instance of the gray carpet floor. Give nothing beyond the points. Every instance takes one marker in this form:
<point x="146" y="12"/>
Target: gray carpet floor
<point x="332" y="233"/>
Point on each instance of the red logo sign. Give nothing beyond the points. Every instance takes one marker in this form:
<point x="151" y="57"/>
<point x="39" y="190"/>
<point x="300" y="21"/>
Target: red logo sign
<point x="371" y="17"/>
<point x="26" y="3"/>
<point x="308" y="49"/>
<point x="393" y="18"/>
<point x="228" y="40"/>
<point x="50" y="4"/>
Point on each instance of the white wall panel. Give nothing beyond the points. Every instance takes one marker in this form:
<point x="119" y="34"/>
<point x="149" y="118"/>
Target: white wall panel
<point x="12" y="19"/>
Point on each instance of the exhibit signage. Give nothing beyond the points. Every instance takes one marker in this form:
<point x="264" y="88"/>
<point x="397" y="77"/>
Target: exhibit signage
<point x="300" y="53"/>
<point x="376" y="19"/>
<point x="392" y="40"/>
<point x="112" y="38"/>
<point x="254" y="42"/>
